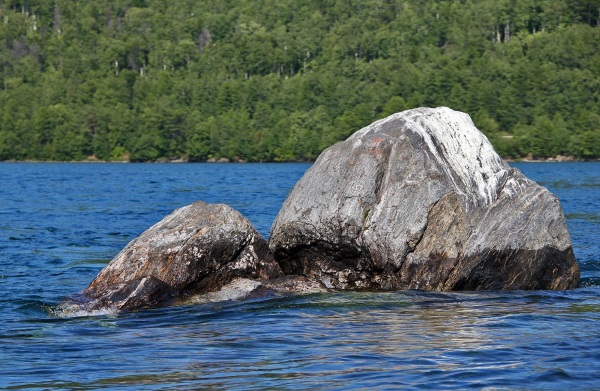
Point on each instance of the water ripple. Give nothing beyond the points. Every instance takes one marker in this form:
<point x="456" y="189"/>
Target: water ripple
<point x="60" y="224"/>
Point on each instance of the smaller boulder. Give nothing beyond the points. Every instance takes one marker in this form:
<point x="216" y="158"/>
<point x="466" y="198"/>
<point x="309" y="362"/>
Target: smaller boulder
<point x="195" y="250"/>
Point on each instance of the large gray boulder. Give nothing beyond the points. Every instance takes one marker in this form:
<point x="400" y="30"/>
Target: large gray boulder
<point x="421" y="200"/>
<point x="196" y="249"/>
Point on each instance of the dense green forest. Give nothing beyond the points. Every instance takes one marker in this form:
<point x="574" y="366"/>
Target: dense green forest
<point x="280" y="80"/>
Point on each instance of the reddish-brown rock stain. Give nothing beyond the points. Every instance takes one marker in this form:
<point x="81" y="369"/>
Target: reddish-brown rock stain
<point x="375" y="148"/>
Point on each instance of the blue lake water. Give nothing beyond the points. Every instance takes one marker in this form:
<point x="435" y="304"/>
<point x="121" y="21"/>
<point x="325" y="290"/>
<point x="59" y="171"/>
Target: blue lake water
<point x="61" y="223"/>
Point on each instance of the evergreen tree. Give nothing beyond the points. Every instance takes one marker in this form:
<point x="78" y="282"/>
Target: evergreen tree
<point x="280" y="80"/>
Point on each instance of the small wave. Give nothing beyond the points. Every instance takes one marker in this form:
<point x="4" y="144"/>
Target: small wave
<point x="77" y="306"/>
<point x="86" y="262"/>
<point x="588" y="282"/>
<point x="590" y="217"/>
<point x="554" y="375"/>
<point x="16" y="238"/>
<point x="32" y="307"/>
<point x="78" y="311"/>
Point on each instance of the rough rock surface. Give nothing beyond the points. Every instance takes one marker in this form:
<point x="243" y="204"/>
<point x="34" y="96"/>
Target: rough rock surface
<point x="196" y="249"/>
<point x="421" y="200"/>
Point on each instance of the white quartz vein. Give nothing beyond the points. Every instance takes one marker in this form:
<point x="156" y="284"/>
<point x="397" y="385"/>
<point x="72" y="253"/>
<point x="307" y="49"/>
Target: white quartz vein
<point x="459" y="147"/>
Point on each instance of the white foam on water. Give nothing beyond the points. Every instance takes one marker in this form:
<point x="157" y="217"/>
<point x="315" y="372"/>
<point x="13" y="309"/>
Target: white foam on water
<point x="79" y="311"/>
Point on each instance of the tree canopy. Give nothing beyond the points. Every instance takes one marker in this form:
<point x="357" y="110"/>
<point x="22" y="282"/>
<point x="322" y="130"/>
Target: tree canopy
<point x="280" y="80"/>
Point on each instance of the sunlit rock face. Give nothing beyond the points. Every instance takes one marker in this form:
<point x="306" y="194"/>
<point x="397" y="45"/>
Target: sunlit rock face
<point x="421" y="200"/>
<point x="196" y="249"/>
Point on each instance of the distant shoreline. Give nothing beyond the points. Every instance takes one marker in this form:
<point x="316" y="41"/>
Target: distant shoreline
<point x="160" y="161"/>
<point x="227" y="161"/>
<point x="555" y="159"/>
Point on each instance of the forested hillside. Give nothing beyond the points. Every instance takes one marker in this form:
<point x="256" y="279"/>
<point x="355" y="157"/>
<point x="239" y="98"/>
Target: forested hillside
<point x="279" y="80"/>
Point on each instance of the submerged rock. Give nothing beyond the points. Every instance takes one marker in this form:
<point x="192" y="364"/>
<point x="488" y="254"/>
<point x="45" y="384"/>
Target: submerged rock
<point x="421" y="200"/>
<point x="194" y="250"/>
<point x="243" y="288"/>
